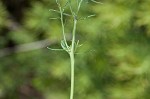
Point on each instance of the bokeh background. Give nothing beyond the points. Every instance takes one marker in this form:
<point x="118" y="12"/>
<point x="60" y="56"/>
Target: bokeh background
<point x="112" y="63"/>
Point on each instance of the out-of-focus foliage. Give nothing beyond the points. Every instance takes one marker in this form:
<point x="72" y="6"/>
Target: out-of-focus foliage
<point x="3" y="15"/>
<point x="112" y="63"/>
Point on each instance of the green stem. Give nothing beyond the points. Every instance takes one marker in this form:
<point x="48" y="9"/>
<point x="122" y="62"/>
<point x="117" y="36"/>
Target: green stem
<point x="62" y="22"/>
<point x="72" y="59"/>
<point x="63" y="27"/>
<point x="79" y="5"/>
<point x="74" y="34"/>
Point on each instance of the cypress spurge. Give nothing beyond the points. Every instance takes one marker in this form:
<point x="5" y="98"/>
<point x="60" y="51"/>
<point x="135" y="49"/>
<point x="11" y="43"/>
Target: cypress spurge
<point x="70" y="49"/>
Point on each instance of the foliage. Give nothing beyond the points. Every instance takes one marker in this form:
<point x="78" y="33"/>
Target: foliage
<point x="112" y="63"/>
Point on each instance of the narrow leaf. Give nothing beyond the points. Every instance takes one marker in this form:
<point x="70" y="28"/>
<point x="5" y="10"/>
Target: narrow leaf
<point x="96" y="1"/>
<point x="55" y="49"/>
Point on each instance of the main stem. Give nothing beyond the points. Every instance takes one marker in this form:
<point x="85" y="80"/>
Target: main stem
<point x="72" y="59"/>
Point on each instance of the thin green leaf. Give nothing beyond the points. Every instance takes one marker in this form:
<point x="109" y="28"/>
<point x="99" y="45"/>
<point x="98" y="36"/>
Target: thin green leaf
<point x="55" y="49"/>
<point x="54" y="18"/>
<point x="96" y="1"/>
<point x="66" y="14"/>
<point x="86" y="17"/>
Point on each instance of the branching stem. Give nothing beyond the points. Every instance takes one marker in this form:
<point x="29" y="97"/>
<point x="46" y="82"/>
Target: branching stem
<point x="70" y="49"/>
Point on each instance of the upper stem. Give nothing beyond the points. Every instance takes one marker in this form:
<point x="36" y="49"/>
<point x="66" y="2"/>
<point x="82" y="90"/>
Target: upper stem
<point x="63" y="27"/>
<point x="62" y="22"/>
<point x="73" y="35"/>
<point x="72" y="59"/>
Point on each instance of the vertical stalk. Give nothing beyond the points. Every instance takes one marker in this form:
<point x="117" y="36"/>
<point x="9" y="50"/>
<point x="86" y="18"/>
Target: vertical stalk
<point x="62" y="23"/>
<point x="74" y="34"/>
<point x="72" y="59"/>
<point x="63" y="27"/>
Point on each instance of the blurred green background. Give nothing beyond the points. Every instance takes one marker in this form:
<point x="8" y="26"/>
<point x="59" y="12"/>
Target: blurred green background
<point x="113" y="63"/>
